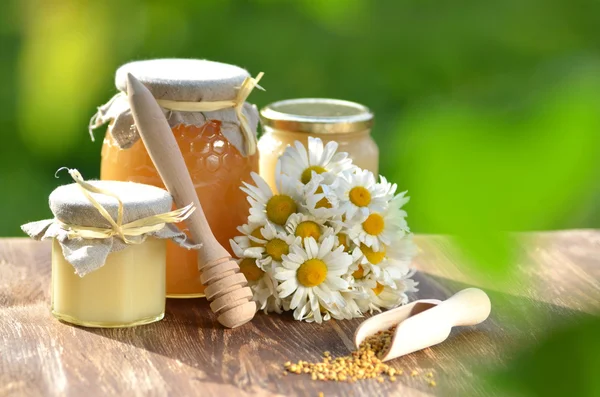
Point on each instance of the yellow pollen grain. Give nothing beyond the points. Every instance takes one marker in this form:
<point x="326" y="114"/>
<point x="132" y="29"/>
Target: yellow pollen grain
<point x="307" y="173"/>
<point x="250" y="270"/>
<point x="364" y="363"/>
<point x="256" y="233"/>
<point x="359" y="196"/>
<point x="375" y="257"/>
<point x="276" y="248"/>
<point x="312" y="273"/>
<point x="308" y="229"/>
<point x="374" y="224"/>
<point x="279" y="208"/>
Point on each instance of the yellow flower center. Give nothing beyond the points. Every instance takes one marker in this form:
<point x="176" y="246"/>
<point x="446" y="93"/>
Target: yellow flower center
<point x="256" y="233"/>
<point x="279" y="208"/>
<point x="250" y="270"/>
<point x="276" y="248"/>
<point x="307" y="174"/>
<point x="343" y="238"/>
<point x="308" y="229"/>
<point x="359" y="273"/>
<point x="374" y="224"/>
<point x="312" y="272"/>
<point x="372" y="256"/>
<point x="378" y="289"/>
<point x="360" y="196"/>
<point x="323" y="203"/>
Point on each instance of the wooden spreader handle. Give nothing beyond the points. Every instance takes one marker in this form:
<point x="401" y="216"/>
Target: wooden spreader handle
<point x="226" y="287"/>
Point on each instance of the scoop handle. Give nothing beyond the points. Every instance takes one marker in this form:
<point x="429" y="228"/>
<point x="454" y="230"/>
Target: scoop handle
<point x="470" y="306"/>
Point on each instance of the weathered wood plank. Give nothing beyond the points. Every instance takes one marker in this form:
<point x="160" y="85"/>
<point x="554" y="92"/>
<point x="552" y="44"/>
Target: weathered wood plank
<point x="189" y="354"/>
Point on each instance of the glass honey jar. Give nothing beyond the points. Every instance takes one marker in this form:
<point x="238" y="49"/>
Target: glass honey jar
<point x="109" y="251"/>
<point x="348" y="123"/>
<point x="215" y="129"/>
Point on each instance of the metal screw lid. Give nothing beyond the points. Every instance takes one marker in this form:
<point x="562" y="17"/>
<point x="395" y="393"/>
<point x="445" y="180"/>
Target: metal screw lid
<point x="317" y="116"/>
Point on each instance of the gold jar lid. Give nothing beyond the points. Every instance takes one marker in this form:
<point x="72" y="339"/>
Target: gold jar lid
<point x="317" y="116"/>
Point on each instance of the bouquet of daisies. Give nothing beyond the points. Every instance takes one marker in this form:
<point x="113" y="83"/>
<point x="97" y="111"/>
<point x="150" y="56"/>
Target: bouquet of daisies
<point x="331" y="242"/>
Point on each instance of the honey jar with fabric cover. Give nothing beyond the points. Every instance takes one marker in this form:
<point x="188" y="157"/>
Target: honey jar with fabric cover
<point x="109" y="251"/>
<point x="347" y="123"/>
<point x="215" y="128"/>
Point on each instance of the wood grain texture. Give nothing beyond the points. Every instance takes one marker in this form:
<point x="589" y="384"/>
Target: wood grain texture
<point x="556" y="280"/>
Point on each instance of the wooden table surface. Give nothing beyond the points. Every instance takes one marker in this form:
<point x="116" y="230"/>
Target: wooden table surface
<point x="556" y="280"/>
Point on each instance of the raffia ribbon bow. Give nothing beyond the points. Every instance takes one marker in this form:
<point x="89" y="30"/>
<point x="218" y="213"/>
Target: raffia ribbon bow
<point x="238" y="103"/>
<point x="138" y="227"/>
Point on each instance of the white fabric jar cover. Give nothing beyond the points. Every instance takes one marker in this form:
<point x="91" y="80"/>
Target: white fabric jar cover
<point x="72" y="210"/>
<point x="183" y="83"/>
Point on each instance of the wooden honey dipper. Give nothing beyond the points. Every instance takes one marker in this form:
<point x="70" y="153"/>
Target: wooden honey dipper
<point x="226" y="287"/>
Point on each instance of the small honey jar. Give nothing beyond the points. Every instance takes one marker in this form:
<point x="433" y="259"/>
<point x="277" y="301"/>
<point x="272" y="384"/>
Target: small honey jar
<point x="109" y="251"/>
<point x="347" y="123"/>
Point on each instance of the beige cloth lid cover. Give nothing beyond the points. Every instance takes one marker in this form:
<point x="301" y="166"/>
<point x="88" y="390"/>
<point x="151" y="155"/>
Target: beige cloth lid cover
<point x="70" y="206"/>
<point x="185" y="80"/>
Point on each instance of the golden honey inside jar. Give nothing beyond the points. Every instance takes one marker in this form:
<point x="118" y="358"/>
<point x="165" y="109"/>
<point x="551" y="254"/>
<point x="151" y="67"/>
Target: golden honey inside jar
<point x="347" y="123"/>
<point x="109" y="251"/>
<point x="217" y="170"/>
<point x="211" y="144"/>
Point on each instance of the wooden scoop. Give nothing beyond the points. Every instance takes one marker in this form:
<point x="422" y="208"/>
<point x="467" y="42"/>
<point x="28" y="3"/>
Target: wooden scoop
<point x="226" y="287"/>
<point x="426" y="322"/>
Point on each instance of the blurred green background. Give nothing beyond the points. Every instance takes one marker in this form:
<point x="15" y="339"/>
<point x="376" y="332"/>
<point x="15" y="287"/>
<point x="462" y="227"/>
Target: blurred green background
<point x="487" y="112"/>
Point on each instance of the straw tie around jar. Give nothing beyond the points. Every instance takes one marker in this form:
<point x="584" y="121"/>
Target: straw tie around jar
<point x="237" y="104"/>
<point x="138" y="227"/>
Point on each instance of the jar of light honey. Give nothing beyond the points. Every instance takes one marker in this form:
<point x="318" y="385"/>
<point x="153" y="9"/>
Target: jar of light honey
<point x="109" y="251"/>
<point x="347" y="123"/>
<point x="215" y="129"/>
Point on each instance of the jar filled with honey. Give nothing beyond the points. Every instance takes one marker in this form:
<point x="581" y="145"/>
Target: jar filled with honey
<point x="347" y="123"/>
<point x="109" y="251"/>
<point x="215" y="129"/>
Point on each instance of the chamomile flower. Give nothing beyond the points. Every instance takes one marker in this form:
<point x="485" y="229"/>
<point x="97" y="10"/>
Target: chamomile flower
<point x="387" y="188"/>
<point x="344" y="307"/>
<point x="360" y="195"/>
<point x="300" y="164"/>
<point x="252" y="232"/>
<point x="386" y="265"/>
<point x="311" y="273"/>
<point x="335" y="308"/>
<point x="352" y="309"/>
<point x="269" y="207"/>
<point x="273" y="245"/>
<point x="331" y="243"/>
<point x="250" y="243"/>
<point x="319" y="203"/>
<point x="242" y="249"/>
<point x="381" y="296"/>
<point x="399" y="256"/>
<point x="262" y="284"/>
<point x="305" y="225"/>
<point x="379" y="228"/>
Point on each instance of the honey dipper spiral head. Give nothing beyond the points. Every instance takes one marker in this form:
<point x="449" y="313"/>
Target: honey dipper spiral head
<point x="228" y="292"/>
